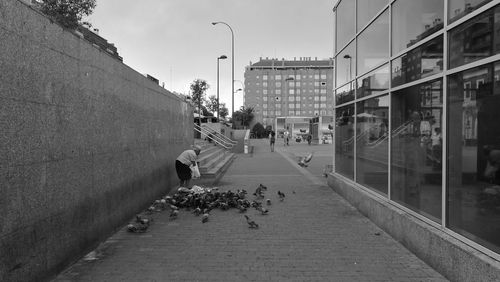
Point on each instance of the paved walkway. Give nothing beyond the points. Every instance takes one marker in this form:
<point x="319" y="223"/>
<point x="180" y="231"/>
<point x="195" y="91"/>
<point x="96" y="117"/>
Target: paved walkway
<point x="314" y="235"/>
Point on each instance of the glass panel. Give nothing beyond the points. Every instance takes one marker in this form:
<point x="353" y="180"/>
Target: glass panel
<point x="367" y="9"/>
<point x="416" y="148"/>
<point x="344" y="141"/>
<point x="346" y="64"/>
<point x="460" y="8"/>
<point x="374" y="82"/>
<point x="346" y="16"/>
<point x="372" y="145"/>
<point x="345" y="94"/>
<point x="474" y="39"/>
<point x="373" y="44"/>
<point x="413" y="21"/>
<point x="474" y="155"/>
<point x="420" y="62"/>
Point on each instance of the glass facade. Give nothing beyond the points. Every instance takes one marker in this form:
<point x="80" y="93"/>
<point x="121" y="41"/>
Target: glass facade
<point x="416" y="115"/>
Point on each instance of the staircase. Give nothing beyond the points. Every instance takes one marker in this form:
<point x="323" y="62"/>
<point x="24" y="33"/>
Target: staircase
<point x="213" y="162"/>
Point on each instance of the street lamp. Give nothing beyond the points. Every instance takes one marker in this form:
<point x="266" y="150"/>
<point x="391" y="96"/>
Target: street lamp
<point x="232" y="64"/>
<point x="347" y="56"/>
<point x="219" y="58"/>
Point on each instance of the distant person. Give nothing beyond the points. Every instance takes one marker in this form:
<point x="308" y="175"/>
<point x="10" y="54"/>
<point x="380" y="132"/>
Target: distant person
<point x="272" y="140"/>
<point x="309" y="139"/>
<point x="286" y="138"/>
<point x="183" y="165"/>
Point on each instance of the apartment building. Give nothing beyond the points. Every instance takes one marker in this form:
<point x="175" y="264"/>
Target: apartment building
<point x="289" y="93"/>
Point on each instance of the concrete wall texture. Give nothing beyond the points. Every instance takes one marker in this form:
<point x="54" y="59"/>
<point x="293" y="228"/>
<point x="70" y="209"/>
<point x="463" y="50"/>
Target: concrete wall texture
<point x="85" y="143"/>
<point x="452" y="258"/>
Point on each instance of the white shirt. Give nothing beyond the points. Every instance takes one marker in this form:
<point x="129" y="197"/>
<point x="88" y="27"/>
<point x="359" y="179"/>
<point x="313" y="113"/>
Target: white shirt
<point x="187" y="157"/>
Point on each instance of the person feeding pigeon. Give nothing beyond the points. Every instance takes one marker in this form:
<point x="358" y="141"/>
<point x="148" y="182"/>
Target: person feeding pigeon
<point x="183" y="164"/>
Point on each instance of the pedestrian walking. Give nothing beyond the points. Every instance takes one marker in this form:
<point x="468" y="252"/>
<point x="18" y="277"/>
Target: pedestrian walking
<point x="272" y="140"/>
<point x="286" y="138"/>
<point x="183" y="165"/>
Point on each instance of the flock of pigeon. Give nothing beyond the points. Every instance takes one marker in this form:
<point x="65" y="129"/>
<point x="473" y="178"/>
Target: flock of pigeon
<point x="200" y="201"/>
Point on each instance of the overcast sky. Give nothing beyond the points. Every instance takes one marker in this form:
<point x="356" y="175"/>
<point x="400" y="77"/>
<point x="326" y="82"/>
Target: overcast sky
<point x="174" y="40"/>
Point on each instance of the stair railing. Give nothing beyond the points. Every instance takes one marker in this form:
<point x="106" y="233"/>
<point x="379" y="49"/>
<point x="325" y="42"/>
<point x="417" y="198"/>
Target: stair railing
<point x="222" y="136"/>
<point x="217" y="140"/>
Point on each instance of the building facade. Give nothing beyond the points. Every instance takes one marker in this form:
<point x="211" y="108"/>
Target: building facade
<point x="288" y="93"/>
<point x="417" y="99"/>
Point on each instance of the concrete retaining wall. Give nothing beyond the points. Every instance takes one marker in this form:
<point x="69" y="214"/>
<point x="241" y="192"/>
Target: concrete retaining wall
<point x="449" y="256"/>
<point x="85" y="143"/>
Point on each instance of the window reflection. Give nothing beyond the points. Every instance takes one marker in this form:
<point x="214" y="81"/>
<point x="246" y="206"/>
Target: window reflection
<point x="474" y="39"/>
<point x="367" y="9"/>
<point x="344" y="94"/>
<point x="346" y="16"/>
<point x="346" y="64"/>
<point x="416" y="148"/>
<point x="373" y="44"/>
<point x="474" y="155"/>
<point x="344" y="141"/>
<point x="372" y="143"/>
<point x="460" y="8"/>
<point x="415" y="20"/>
<point x="420" y="62"/>
<point x="374" y="82"/>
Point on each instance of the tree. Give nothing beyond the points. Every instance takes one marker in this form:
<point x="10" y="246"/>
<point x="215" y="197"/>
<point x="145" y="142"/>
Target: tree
<point x="223" y="110"/>
<point x="259" y="130"/>
<point x="198" y="88"/>
<point x="68" y="13"/>
<point x="212" y="106"/>
<point x="244" y="115"/>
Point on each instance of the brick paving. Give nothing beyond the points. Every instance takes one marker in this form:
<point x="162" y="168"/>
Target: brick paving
<point x="313" y="235"/>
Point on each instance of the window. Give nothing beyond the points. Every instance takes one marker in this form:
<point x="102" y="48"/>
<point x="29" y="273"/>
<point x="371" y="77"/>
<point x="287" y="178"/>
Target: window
<point x="420" y="62"/>
<point x="473" y="139"/>
<point x="474" y="40"/>
<point x="277" y="77"/>
<point x="408" y="28"/>
<point x="264" y="84"/>
<point x="264" y="98"/>
<point x="278" y="91"/>
<point x="374" y="82"/>
<point x="346" y="15"/>
<point x="367" y="9"/>
<point x="344" y="141"/>
<point x="346" y="64"/>
<point x="264" y="77"/>
<point x="264" y="91"/>
<point x="278" y="84"/>
<point x="344" y="94"/>
<point x="373" y="44"/>
<point x="415" y="161"/>
<point x="372" y="145"/>
<point x="460" y="8"/>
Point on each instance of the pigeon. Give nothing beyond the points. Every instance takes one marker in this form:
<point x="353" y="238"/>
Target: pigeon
<point x="262" y="210"/>
<point x="197" y="211"/>
<point x="268" y="202"/>
<point x="251" y="223"/>
<point x="204" y="218"/>
<point x="174" y="213"/>
<point x="303" y="162"/>
<point x="142" y="220"/>
<point x="281" y="195"/>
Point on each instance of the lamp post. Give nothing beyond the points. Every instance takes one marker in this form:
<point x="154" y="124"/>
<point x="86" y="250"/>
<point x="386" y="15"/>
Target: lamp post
<point x="218" y="108"/>
<point x="232" y="64"/>
<point x="347" y="56"/>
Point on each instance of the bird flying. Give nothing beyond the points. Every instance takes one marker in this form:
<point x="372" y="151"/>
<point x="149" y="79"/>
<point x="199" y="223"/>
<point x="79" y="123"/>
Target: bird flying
<point x="303" y="162"/>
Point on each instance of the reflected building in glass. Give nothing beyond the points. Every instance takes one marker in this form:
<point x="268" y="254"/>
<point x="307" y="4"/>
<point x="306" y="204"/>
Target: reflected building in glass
<point x="417" y="107"/>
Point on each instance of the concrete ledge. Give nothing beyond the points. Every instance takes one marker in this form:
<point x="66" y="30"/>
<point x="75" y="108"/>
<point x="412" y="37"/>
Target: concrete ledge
<point x="449" y="256"/>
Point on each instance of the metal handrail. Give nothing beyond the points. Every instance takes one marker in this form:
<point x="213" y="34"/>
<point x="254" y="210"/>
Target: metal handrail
<point x="222" y="136"/>
<point x="215" y="138"/>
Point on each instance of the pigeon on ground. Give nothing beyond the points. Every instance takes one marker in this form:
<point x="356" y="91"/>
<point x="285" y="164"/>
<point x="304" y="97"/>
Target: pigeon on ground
<point x="281" y="195"/>
<point x="251" y="223"/>
<point x="262" y="210"/>
<point x="174" y="214"/>
<point x="204" y="217"/>
<point x="197" y="211"/>
<point x="303" y="162"/>
<point x="268" y="202"/>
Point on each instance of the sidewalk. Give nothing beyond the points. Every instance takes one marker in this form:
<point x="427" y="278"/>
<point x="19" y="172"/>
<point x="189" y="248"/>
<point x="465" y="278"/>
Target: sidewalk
<point x="313" y="235"/>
